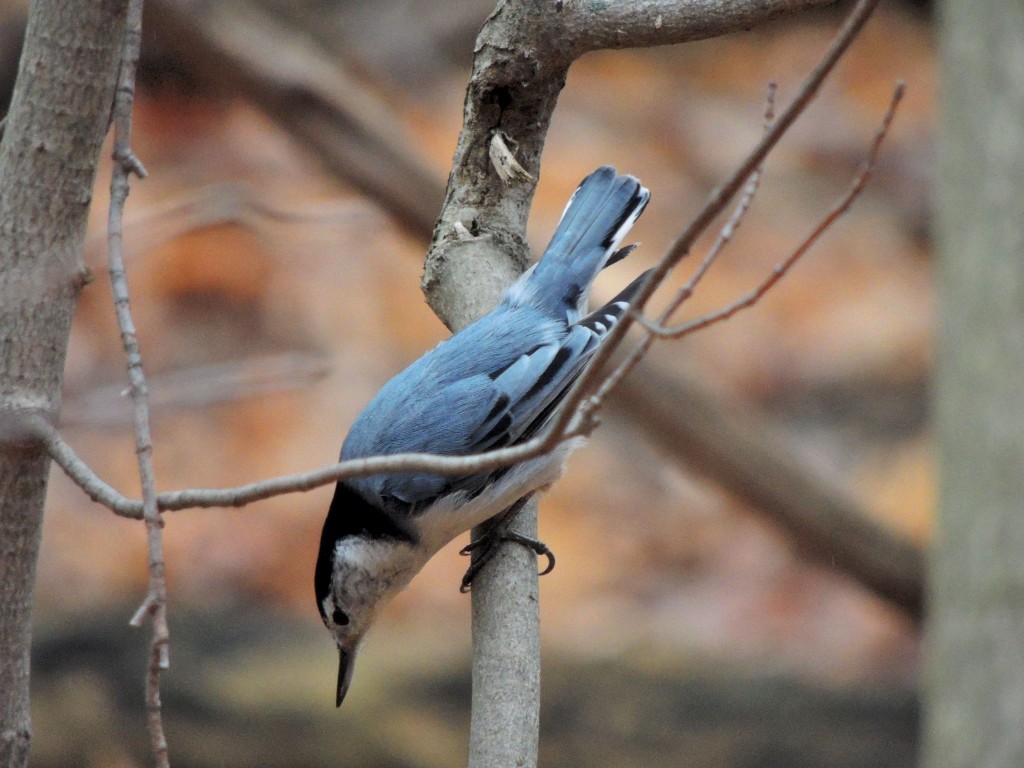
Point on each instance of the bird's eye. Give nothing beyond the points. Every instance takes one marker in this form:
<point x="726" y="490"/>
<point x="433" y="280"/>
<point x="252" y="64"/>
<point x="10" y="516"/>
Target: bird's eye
<point x="339" y="617"/>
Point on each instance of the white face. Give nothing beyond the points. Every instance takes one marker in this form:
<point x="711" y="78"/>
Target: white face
<point x="366" y="575"/>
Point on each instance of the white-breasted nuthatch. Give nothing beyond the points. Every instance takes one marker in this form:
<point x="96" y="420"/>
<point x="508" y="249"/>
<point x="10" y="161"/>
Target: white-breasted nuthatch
<point x="494" y="384"/>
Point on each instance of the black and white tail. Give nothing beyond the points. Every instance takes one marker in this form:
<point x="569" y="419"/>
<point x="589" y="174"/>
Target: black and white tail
<point x="597" y="217"/>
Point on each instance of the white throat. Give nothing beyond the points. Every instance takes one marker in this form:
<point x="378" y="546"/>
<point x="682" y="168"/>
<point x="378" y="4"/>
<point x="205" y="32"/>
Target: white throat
<point x="369" y="572"/>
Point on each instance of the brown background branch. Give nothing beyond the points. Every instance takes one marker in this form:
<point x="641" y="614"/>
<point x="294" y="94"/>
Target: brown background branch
<point x="343" y="124"/>
<point x="730" y="444"/>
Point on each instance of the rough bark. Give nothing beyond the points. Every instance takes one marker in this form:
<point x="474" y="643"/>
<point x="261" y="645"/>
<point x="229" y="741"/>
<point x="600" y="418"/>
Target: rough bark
<point x="505" y="712"/>
<point x="48" y="156"/>
<point x="975" y="665"/>
<point x="521" y="60"/>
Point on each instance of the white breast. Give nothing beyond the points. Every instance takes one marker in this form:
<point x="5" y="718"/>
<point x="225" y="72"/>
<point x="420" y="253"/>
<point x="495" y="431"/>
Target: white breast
<point x="453" y="515"/>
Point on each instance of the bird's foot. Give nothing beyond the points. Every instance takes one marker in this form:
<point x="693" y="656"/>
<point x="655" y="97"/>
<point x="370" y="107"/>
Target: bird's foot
<point x="483" y="549"/>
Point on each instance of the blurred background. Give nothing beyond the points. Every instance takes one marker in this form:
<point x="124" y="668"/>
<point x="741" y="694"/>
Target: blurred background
<point x="682" y="626"/>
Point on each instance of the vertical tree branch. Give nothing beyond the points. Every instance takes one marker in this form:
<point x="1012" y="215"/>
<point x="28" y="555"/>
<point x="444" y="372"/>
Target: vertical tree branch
<point x="125" y="163"/>
<point x="523" y="54"/>
<point x="506" y="654"/>
<point x="975" y="654"/>
<point x="48" y="156"/>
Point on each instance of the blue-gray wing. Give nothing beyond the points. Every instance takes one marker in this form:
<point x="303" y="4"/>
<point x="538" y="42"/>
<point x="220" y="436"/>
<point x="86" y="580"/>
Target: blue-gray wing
<point x="498" y="400"/>
<point x="532" y="387"/>
<point x="527" y="391"/>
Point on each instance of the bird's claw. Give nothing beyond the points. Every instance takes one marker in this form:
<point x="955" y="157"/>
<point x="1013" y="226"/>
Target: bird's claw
<point x="486" y="547"/>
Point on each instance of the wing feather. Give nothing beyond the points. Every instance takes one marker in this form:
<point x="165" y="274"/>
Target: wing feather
<point x="501" y="401"/>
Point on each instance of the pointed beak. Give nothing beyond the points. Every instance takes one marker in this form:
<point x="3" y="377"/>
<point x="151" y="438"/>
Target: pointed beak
<point x="346" y="663"/>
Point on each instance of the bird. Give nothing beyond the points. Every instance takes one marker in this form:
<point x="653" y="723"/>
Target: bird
<point x="496" y="383"/>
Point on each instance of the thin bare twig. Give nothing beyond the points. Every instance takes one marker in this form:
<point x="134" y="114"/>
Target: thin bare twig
<point x="683" y="294"/>
<point x="125" y="163"/>
<point x="713" y="206"/>
<point x="837" y="210"/>
<point x="80" y="472"/>
<point x="657" y="329"/>
<point x="103" y="493"/>
<point x="729" y="228"/>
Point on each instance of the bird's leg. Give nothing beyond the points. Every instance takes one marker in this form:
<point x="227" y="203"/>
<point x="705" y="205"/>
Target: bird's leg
<point x="499" y="530"/>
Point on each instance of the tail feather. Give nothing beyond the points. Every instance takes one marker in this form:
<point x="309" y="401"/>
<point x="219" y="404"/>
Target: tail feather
<point x="597" y="217"/>
<point x="620" y="254"/>
<point x="600" y="321"/>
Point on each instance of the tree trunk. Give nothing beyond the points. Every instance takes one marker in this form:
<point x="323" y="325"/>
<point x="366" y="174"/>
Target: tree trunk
<point x="58" y="118"/>
<point x="975" y="668"/>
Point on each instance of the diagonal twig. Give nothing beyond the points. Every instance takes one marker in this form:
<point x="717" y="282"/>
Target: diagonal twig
<point x="713" y="206"/>
<point x="686" y="291"/>
<point x="837" y="210"/>
<point x="657" y="329"/>
<point x="729" y="228"/>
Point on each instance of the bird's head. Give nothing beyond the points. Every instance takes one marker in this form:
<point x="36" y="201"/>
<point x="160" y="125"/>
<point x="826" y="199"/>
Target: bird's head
<point x="366" y="573"/>
<point x="347" y="623"/>
<point x="365" y="559"/>
<point x="339" y="624"/>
